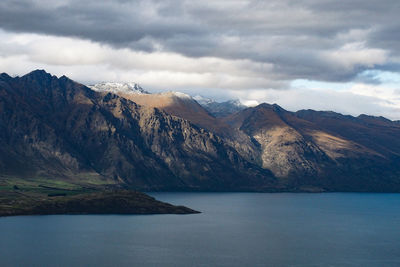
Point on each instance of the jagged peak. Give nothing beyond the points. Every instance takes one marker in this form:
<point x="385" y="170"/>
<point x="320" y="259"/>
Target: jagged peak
<point x="203" y="100"/>
<point x="5" y="76"/>
<point x="117" y="87"/>
<point x="38" y="73"/>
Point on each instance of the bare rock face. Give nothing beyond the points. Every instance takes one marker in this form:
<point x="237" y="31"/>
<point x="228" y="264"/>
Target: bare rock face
<point x="184" y="106"/>
<point x="283" y="150"/>
<point x="58" y="128"/>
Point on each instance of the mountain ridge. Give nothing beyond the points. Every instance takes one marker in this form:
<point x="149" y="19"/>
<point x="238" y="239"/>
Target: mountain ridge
<point x="78" y="131"/>
<point x="58" y="128"/>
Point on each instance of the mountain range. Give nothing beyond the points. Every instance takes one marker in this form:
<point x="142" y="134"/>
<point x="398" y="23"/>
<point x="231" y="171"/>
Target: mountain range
<point x="119" y="134"/>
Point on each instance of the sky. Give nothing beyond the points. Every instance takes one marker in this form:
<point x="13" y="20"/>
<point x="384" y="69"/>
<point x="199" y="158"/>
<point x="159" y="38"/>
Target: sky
<point x="334" y="55"/>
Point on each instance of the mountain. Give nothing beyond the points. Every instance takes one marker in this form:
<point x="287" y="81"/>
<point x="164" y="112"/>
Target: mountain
<point x="220" y="109"/>
<point x="179" y="105"/>
<point x="324" y="149"/>
<point x="184" y="106"/>
<point x="56" y="128"/>
<point x="125" y="88"/>
<point x="377" y="133"/>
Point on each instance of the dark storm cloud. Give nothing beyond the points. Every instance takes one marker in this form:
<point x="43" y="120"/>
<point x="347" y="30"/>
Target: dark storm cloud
<point x="301" y="39"/>
<point x="120" y="23"/>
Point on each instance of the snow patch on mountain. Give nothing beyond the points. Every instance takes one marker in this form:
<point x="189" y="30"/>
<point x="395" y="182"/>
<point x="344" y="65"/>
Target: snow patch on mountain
<point x="203" y="100"/>
<point x="114" y="87"/>
<point x="207" y="101"/>
<point x="220" y="109"/>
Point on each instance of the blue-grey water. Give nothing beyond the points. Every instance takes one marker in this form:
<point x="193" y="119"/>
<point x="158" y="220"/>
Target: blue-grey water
<point x="235" y="229"/>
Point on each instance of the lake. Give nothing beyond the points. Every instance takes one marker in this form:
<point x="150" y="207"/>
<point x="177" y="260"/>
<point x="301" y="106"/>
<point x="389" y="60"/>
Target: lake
<point x="235" y="229"/>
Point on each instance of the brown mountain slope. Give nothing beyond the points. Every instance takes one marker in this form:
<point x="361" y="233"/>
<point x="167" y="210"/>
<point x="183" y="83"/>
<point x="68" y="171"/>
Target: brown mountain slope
<point x="306" y="152"/>
<point x="183" y="106"/>
<point x="376" y="133"/>
<point x="58" y="128"/>
<point x="283" y="149"/>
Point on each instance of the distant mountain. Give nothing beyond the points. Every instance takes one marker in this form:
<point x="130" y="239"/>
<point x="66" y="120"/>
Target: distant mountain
<point x="126" y="88"/>
<point x="220" y="109"/>
<point x="376" y="133"/>
<point x="203" y="100"/>
<point x="55" y="128"/>
<point x="324" y="149"/>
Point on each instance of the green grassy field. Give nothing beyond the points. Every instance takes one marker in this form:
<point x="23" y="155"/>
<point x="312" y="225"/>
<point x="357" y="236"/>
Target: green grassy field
<point x="39" y="185"/>
<point x="16" y="194"/>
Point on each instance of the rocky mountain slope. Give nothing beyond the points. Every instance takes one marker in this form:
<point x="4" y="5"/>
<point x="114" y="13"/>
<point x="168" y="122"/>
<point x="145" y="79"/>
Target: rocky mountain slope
<point x="54" y="127"/>
<point x="184" y="106"/>
<point x="324" y="149"/>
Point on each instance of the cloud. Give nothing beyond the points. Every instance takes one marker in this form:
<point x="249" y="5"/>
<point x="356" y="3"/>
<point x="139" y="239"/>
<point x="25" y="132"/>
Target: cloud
<point x="90" y="62"/>
<point x="321" y="40"/>
<point x="356" y="54"/>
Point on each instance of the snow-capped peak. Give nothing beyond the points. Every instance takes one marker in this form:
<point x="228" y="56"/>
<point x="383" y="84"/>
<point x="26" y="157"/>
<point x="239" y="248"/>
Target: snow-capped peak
<point x="114" y="87"/>
<point x="208" y="101"/>
<point x="220" y="109"/>
<point x="203" y="100"/>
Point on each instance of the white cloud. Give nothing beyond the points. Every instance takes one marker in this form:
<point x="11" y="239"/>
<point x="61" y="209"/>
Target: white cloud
<point x="352" y="55"/>
<point x="87" y="61"/>
<point x="387" y="96"/>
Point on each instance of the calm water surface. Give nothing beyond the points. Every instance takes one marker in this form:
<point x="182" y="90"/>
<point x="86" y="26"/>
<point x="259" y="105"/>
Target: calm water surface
<point x="235" y="229"/>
